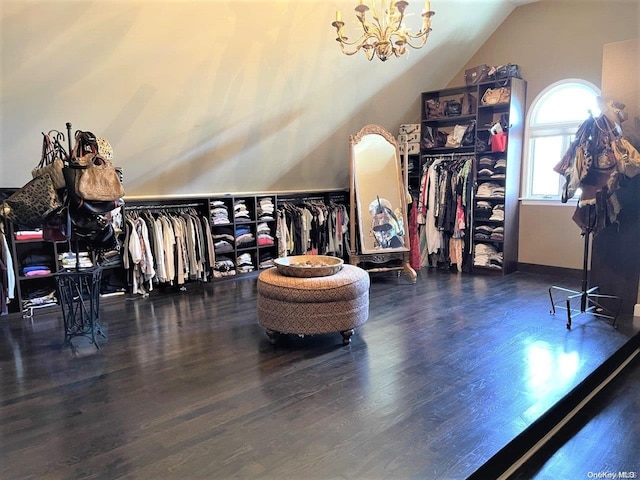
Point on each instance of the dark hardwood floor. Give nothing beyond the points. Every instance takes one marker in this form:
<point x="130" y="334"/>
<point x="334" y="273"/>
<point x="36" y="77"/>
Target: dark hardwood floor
<point x="602" y="439"/>
<point x="443" y="375"/>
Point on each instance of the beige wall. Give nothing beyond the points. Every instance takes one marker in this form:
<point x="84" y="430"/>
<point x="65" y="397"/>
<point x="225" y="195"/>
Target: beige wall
<point x="552" y="40"/>
<point x="214" y="96"/>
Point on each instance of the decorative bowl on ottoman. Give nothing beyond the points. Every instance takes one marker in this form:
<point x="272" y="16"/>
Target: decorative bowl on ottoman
<point x="307" y="266"/>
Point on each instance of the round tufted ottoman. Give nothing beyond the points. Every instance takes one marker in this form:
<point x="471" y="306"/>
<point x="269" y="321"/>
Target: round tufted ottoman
<point x="308" y="306"/>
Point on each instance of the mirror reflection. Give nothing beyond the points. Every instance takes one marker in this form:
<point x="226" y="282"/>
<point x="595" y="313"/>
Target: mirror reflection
<point x="379" y="192"/>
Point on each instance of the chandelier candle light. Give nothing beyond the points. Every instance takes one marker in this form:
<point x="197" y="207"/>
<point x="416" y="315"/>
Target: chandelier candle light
<point x="386" y="35"/>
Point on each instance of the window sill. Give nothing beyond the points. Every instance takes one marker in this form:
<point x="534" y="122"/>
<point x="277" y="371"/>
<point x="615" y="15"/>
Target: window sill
<point x="548" y="202"/>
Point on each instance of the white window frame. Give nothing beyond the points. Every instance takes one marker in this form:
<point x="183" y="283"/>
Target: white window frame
<point x="560" y="128"/>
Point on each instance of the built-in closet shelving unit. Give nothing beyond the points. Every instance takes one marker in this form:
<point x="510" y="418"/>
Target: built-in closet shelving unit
<point x="485" y="116"/>
<point x="19" y="250"/>
<point x="254" y="220"/>
<point x="50" y="253"/>
<point x="203" y="205"/>
<point x="247" y="217"/>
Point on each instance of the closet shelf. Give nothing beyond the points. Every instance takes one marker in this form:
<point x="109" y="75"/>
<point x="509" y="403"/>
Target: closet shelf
<point x="449" y="121"/>
<point x="496" y="106"/>
<point x="487" y="220"/>
<point x="446" y="150"/>
<point x="34" y="277"/>
<point x="486" y="240"/>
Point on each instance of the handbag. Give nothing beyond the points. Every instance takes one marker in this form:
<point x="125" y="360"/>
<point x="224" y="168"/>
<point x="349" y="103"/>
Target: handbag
<point x="481" y="145"/>
<point x="79" y="206"/>
<point x="428" y="140"/>
<point x="504" y="72"/>
<point x="469" y="135"/>
<point x="498" y="142"/>
<point x="96" y="178"/>
<point x="435" y="108"/>
<point x="453" y="108"/>
<point x="627" y="157"/>
<point x="492" y="96"/>
<point x="441" y="138"/>
<point x="101" y="240"/>
<point x="476" y="75"/>
<point x="469" y="104"/>
<point x="454" y="139"/>
<point x="51" y="161"/>
<point x="29" y="206"/>
<point x="56" y="226"/>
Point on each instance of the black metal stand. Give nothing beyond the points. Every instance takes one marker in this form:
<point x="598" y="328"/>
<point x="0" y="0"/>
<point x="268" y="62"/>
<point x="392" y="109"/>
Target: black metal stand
<point x="79" y="296"/>
<point x="589" y="296"/>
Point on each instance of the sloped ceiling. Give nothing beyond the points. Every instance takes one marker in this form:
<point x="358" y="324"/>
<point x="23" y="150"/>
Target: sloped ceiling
<point x="216" y="96"/>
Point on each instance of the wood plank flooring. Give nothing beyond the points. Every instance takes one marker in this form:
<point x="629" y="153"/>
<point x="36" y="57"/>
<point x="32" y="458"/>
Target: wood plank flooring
<point x="602" y="439"/>
<point x="442" y="376"/>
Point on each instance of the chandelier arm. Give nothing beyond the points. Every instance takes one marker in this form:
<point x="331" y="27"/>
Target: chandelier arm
<point x="360" y="40"/>
<point x="420" y="34"/>
<point x="357" y="44"/>
<point x="423" y="41"/>
<point x="348" y="53"/>
<point x="343" y="40"/>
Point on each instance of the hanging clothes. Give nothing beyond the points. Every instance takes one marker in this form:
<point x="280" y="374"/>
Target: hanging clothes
<point x="312" y="228"/>
<point x="7" y="274"/>
<point x="167" y="247"/>
<point x="442" y="212"/>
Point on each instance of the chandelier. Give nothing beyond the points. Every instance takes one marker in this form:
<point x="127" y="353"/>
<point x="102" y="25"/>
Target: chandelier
<point x="385" y="35"/>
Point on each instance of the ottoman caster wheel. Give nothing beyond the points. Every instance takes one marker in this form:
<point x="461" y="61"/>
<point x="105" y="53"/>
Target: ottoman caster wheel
<point x="273" y="336"/>
<point x="346" y="336"/>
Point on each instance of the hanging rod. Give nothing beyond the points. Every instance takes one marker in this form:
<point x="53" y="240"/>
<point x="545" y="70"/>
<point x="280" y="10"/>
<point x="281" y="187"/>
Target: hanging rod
<point x="162" y="207"/>
<point x="301" y="200"/>
<point x="446" y="156"/>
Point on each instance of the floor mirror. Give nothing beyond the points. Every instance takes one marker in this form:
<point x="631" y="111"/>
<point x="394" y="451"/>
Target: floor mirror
<point x="380" y="237"/>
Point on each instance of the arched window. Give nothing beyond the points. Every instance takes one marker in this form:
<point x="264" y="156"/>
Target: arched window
<point x="553" y="119"/>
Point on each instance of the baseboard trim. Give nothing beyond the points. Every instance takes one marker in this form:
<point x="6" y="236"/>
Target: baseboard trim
<point x="550" y="270"/>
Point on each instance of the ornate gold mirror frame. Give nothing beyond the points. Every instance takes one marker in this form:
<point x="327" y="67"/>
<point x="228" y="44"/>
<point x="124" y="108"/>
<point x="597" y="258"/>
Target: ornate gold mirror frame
<point x="380" y="236"/>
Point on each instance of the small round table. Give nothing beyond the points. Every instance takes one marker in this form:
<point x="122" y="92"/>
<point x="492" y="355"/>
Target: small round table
<point x="312" y="306"/>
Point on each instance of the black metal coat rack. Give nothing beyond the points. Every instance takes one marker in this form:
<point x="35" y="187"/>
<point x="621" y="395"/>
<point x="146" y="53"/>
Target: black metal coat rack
<point x="589" y="297"/>
<point x="78" y="293"/>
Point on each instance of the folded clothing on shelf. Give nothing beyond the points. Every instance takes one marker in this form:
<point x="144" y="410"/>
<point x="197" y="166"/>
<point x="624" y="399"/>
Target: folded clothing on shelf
<point x="70" y="260"/>
<point x="244" y="263"/>
<point x="266" y="260"/>
<point x="265" y="209"/>
<point x="219" y="212"/>
<point x="490" y="189"/>
<point x="39" y="297"/>
<point x="487" y="255"/>
<point x="28" y="235"/>
<point x="497" y="213"/>
<point x="223" y="267"/>
<point x="240" y="211"/>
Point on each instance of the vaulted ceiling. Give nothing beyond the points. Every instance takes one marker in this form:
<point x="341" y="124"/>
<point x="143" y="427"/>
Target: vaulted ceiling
<point x="191" y="93"/>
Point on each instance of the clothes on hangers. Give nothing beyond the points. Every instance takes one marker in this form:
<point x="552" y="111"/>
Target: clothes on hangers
<point x="167" y="247"/>
<point x="442" y="209"/>
<point x="7" y="274"/>
<point x="312" y="227"/>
